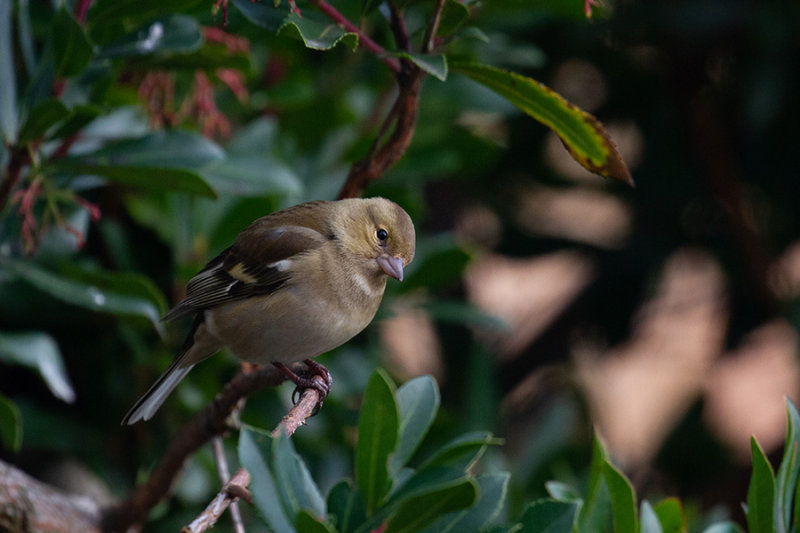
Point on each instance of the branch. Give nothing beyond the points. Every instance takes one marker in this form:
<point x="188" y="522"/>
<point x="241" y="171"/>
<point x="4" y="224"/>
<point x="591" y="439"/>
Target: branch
<point x="225" y="477"/>
<point x="206" y="424"/>
<point x="231" y="492"/>
<point x="302" y="410"/>
<point x="433" y="27"/>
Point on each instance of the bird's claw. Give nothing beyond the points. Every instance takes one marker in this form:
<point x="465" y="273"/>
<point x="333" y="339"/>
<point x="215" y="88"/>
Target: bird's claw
<point x="306" y="379"/>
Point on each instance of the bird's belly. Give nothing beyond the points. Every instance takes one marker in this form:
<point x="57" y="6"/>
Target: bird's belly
<point x="286" y="329"/>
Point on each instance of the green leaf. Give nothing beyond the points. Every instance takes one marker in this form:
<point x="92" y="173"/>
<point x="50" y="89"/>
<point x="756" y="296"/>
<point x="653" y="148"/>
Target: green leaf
<point x="346" y="505"/>
<point x="582" y="134"/>
<point x="650" y="521"/>
<point x="492" y="490"/>
<point x="147" y="178"/>
<point x="79" y="116"/>
<point x="435" y="65"/>
<point x="10" y="424"/>
<point x="44" y="116"/>
<point x="593" y="514"/>
<point x="252" y="445"/>
<point x="109" y="292"/>
<point x="725" y="527"/>
<point x="418" y="402"/>
<point x="417" y="512"/>
<point x="317" y="35"/>
<point x="134" y="12"/>
<point x="760" y="493"/>
<point x="264" y="14"/>
<point x="787" y="475"/>
<point x="549" y="516"/>
<point x="39" y="352"/>
<point x="410" y="483"/>
<point x="69" y="44"/>
<point x="25" y="36"/>
<point x="252" y="175"/>
<point x="623" y="500"/>
<point x="9" y="113"/>
<point x="308" y="523"/>
<point x="454" y="15"/>
<point x="562" y="492"/>
<point x="462" y="450"/>
<point x="298" y="491"/>
<point x="377" y="438"/>
<point x="175" y="34"/>
<point x="671" y="516"/>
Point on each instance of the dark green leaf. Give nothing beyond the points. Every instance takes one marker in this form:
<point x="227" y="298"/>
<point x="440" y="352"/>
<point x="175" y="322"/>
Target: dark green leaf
<point x="463" y="450"/>
<point x="594" y="512"/>
<point x="264" y="14"/>
<point x="109" y="292"/>
<point x="410" y="483"/>
<point x="561" y="491"/>
<point x="297" y="489"/>
<point x="44" y="116"/>
<point x="787" y="475"/>
<point x="253" y="455"/>
<point x="670" y="514"/>
<point x="175" y="34"/>
<point x="435" y="65"/>
<point x="377" y="438"/>
<point x="10" y="424"/>
<point x="549" y="516"/>
<point x="135" y="12"/>
<point x="454" y="15"/>
<point x="582" y="134"/>
<point x="623" y="500"/>
<point x="25" y="35"/>
<point x="147" y="178"/>
<point x="252" y="175"/>
<point x="440" y="263"/>
<point x="80" y="116"/>
<point x="492" y="496"/>
<point x="650" y="522"/>
<point x="760" y="493"/>
<point x="347" y="507"/>
<point x="418" y="402"/>
<point x="417" y="512"/>
<point x="71" y="49"/>
<point x="39" y="352"/>
<point x="317" y="35"/>
<point x="9" y="114"/>
<point x="308" y="523"/>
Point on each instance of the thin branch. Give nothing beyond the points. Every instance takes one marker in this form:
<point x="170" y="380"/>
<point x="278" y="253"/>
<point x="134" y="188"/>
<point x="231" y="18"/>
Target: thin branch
<point x="302" y="410"/>
<point x="333" y="14"/>
<point x="224" y="477"/>
<point x="229" y="495"/>
<point x="398" y="25"/>
<point x="433" y="27"/>
<point x="206" y="424"/>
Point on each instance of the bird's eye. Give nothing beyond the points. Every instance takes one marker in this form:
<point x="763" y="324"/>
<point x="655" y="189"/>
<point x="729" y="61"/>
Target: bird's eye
<point x="382" y="234"/>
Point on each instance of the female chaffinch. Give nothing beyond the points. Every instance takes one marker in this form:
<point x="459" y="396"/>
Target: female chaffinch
<point x="295" y="284"/>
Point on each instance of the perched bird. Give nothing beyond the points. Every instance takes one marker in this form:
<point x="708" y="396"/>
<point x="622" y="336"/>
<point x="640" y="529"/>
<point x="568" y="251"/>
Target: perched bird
<point x="295" y="284"/>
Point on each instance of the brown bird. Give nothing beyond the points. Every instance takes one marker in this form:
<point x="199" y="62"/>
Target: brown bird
<point x="295" y="284"/>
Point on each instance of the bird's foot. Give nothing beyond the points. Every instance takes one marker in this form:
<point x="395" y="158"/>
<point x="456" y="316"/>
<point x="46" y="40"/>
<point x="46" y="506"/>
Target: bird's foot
<point x="305" y="379"/>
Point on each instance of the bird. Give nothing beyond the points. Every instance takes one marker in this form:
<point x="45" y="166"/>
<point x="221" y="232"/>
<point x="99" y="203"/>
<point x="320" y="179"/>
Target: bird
<point x="295" y="284"/>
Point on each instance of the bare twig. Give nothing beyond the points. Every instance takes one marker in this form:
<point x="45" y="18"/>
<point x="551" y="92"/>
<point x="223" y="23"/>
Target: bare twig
<point x="433" y="27"/>
<point x="224" y="476"/>
<point x="206" y="424"/>
<point x="229" y="495"/>
<point x="303" y="409"/>
<point x="398" y="25"/>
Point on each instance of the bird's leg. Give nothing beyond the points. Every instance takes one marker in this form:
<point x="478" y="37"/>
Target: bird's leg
<point x="305" y="380"/>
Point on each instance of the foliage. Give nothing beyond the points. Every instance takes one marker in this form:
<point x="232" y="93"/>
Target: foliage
<point x="139" y="137"/>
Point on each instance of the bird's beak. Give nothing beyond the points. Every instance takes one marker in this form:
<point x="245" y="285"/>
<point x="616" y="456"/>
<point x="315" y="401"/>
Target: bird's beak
<point x="393" y="266"/>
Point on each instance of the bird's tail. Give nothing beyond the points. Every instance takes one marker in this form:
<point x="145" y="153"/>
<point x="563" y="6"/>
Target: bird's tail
<point x="146" y="406"/>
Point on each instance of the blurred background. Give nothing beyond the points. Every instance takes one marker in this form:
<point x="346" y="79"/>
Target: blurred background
<point x="546" y="301"/>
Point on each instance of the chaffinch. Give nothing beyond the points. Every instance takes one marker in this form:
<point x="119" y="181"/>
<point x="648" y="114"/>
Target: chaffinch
<point x="295" y="284"/>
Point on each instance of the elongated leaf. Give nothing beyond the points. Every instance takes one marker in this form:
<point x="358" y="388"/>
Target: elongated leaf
<point x="435" y="65"/>
<point x="346" y="506"/>
<point x="25" y="35"/>
<point x="135" y="12"/>
<point x="71" y="48"/>
<point x="787" y="475"/>
<point x="298" y="491"/>
<point x="561" y="491"/>
<point x="492" y="496"/>
<point x="253" y="455"/>
<point x="317" y="35"/>
<point x="760" y="493"/>
<point x="44" y="116"/>
<point x="9" y="114"/>
<point x="418" y="402"/>
<point x="175" y="34"/>
<point x="10" y="424"/>
<point x="147" y="178"/>
<point x="582" y="134"/>
<point x="623" y="500"/>
<point x="416" y="513"/>
<point x="108" y="292"/>
<point x="594" y="512"/>
<point x="377" y="438"/>
<point x="549" y="516"/>
<point x="463" y="450"/>
<point x="308" y="523"/>
<point x="650" y="521"/>
<point x="39" y="352"/>
<point x="252" y="175"/>
<point x="80" y="116"/>
<point x="421" y="481"/>
<point x="454" y="15"/>
<point x="670" y="514"/>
